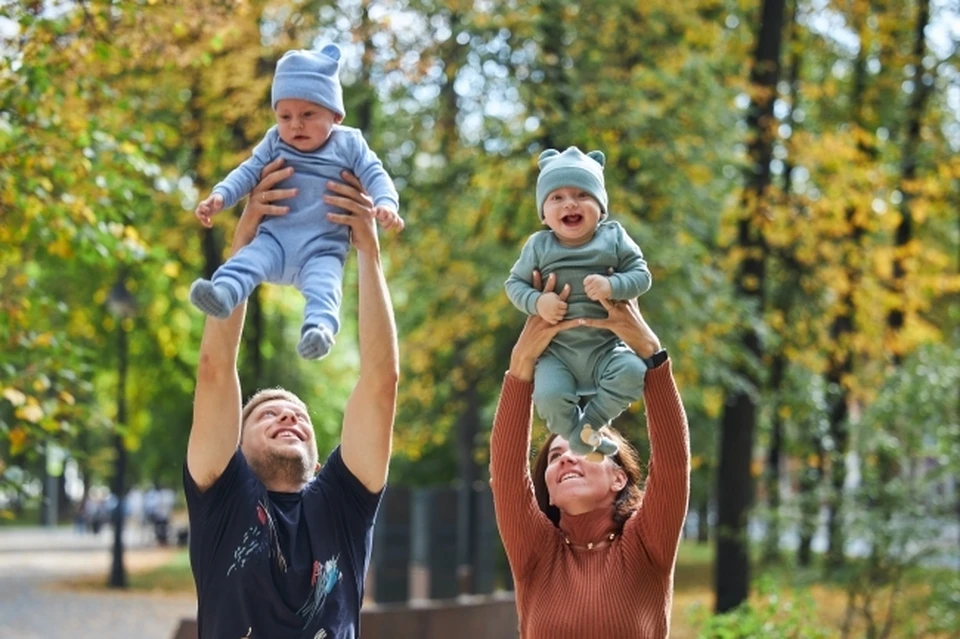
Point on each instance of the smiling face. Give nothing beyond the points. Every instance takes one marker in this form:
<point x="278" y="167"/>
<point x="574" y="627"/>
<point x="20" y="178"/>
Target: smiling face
<point x="572" y="214"/>
<point x="304" y="125"/>
<point x="278" y="443"/>
<point x="576" y="485"/>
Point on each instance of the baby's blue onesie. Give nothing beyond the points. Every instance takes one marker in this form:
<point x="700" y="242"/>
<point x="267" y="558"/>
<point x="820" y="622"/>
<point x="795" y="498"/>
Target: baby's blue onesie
<point x="583" y="361"/>
<point x="302" y="248"/>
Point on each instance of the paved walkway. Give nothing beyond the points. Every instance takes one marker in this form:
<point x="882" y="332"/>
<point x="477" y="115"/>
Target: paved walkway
<point x="34" y="603"/>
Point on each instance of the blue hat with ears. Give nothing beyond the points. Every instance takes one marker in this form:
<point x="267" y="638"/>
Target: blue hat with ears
<point x="571" y="168"/>
<point x="310" y="75"/>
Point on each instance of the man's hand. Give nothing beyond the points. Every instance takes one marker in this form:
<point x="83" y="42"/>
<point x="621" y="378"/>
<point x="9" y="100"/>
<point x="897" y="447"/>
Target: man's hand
<point x="551" y="307"/>
<point x="262" y="202"/>
<point x="350" y="196"/>
<point x="597" y="287"/>
<point x="389" y="219"/>
<point x="208" y="208"/>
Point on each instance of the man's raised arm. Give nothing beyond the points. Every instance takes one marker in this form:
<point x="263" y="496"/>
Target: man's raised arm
<point x="369" y="414"/>
<point x="215" y="432"/>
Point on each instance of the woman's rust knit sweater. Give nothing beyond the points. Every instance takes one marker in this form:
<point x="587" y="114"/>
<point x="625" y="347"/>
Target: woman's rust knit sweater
<point x="622" y="589"/>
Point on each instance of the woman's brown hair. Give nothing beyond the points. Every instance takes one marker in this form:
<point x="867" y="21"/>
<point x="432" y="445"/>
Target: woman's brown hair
<point x="627" y="458"/>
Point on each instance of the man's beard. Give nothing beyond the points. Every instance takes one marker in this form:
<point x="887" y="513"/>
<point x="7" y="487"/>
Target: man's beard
<point x="274" y="467"/>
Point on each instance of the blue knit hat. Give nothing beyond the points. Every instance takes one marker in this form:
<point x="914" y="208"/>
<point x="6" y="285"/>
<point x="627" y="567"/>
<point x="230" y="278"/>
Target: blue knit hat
<point x="310" y="75"/>
<point x="571" y="168"/>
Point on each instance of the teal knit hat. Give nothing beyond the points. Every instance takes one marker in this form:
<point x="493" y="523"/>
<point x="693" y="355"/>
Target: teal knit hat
<point x="571" y="168"/>
<point x="310" y="75"/>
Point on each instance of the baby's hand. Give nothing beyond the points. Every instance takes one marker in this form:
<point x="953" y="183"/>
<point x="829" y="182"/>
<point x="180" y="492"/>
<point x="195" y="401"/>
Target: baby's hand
<point x="597" y="287"/>
<point x="388" y="218"/>
<point x="551" y="308"/>
<point x="208" y="208"/>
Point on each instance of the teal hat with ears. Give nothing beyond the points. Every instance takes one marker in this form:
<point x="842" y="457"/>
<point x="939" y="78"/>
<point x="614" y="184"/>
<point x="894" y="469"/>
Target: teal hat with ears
<point x="313" y="76"/>
<point x="571" y="168"/>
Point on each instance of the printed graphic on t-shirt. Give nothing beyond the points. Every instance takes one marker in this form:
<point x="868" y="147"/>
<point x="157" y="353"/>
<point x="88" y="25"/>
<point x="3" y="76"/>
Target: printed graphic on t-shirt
<point x="323" y="580"/>
<point x="256" y="541"/>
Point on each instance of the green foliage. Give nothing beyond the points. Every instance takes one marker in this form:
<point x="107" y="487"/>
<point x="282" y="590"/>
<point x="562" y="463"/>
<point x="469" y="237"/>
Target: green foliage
<point x="770" y="615"/>
<point x="908" y="447"/>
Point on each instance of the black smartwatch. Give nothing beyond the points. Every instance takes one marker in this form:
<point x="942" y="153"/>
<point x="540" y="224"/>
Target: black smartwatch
<point x="656" y="359"/>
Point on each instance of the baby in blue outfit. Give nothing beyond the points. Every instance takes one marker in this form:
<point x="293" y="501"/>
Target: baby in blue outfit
<point x="303" y="247"/>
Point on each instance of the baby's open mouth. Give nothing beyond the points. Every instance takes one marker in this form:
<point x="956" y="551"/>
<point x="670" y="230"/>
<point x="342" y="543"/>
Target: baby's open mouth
<point x="572" y="220"/>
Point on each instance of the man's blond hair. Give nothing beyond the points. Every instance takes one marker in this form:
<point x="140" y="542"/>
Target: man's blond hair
<point x="266" y="395"/>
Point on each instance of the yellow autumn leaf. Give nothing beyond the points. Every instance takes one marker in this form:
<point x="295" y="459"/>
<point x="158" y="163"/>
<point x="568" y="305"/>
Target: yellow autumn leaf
<point x="14" y="396"/>
<point x="44" y="339"/>
<point x="31" y="412"/>
<point x="712" y="402"/>
<point x="18" y="438"/>
<point x="41" y="384"/>
<point x="67" y="398"/>
<point x="61" y="247"/>
<point x="171" y="269"/>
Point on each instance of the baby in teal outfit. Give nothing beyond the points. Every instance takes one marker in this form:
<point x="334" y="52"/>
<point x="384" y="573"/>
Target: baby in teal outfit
<point x="598" y="260"/>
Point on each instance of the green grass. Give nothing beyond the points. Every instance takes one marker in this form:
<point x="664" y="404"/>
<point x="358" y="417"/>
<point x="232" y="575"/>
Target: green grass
<point x="28" y="516"/>
<point x="174" y="576"/>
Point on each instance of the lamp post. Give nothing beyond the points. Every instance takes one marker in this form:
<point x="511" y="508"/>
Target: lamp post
<point x="121" y="305"/>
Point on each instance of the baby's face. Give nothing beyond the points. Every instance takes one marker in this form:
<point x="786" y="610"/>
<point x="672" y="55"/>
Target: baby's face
<point x="304" y="125"/>
<point x="572" y="214"/>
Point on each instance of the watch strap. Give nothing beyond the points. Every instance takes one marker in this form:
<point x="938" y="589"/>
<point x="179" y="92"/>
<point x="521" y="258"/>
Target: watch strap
<point x="656" y="359"/>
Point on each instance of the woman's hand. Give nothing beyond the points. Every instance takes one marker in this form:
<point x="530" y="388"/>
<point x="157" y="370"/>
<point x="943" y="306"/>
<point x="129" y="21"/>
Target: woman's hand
<point x="537" y="333"/>
<point x="361" y="217"/>
<point x="260" y="203"/>
<point x="625" y="320"/>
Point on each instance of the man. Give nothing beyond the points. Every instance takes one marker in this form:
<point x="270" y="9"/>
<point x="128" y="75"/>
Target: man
<point x="276" y="552"/>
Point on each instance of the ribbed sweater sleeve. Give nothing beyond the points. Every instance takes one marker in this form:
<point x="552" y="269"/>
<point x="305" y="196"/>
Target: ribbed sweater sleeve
<point x="522" y="524"/>
<point x="659" y="520"/>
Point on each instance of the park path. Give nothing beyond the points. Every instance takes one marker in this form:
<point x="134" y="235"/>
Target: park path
<point x="35" y="603"/>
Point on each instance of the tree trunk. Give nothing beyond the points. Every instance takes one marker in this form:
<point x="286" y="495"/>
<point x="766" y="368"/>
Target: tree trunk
<point x="908" y="173"/>
<point x="255" y="332"/>
<point x="771" y="550"/>
<point x="365" y="31"/>
<point x="735" y="484"/>
<point x="451" y="53"/>
<point x="703" y="519"/>
<point x="557" y="79"/>
<point x="840" y="366"/>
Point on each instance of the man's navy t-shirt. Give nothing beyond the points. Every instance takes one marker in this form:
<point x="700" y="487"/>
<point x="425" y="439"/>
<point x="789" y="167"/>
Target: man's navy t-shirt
<point x="280" y="565"/>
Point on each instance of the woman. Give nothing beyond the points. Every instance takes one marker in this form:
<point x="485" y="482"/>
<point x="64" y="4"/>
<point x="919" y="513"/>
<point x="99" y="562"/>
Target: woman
<point x="592" y="554"/>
